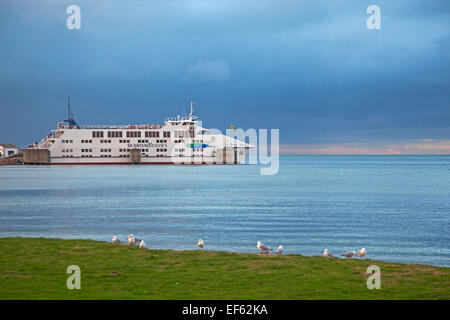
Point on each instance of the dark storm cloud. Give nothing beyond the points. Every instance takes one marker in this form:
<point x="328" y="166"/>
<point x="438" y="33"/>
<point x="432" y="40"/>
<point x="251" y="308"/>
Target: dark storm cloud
<point x="310" y="68"/>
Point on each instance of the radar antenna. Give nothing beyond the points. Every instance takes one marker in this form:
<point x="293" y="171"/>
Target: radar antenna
<point x="69" y="111"/>
<point x="70" y="120"/>
<point x="191" y="115"/>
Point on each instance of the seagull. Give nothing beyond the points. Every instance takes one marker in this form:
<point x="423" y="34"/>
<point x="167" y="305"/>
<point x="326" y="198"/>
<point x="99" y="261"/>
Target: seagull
<point x="142" y="245"/>
<point x="361" y="253"/>
<point x="262" y="248"/>
<point x="131" y="240"/>
<point x="116" y="240"/>
<point x="200" y="244"/>
<point x="280" y="249"/>
<point x="349" y="254"/>
<point x="327" y="254"/>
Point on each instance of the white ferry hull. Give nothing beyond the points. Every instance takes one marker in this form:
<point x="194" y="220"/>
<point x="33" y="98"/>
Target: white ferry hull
<point x="178" y="141"/>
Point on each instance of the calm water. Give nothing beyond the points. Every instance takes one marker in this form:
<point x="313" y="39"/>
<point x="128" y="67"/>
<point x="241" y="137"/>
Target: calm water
<point x="397" y="207"/>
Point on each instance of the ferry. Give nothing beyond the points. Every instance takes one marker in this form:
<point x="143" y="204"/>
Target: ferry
<point x="179" y="140"/>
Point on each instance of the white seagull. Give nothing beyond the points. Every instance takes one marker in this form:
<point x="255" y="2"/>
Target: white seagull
<point x="131" y="240"/>
<point x="361" y="253"/>
<point x="280" y="249"/>
<point x="142" y="245"/>
<point x="327" y="254"/>
<point x="349" y="254"/>
<point x="262" y="248"/>
<point x="200" y="244"/>
<point x="116" y="240"/>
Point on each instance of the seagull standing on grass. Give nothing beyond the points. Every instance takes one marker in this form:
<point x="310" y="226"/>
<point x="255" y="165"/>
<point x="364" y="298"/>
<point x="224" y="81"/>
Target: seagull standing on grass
<point x="280" y="249"/>
<point x="200" y="244"/>
<point x="349" y="254"/>
<point x="116" y="240"/>
<point x="327" y="254"/>
<point x="262" y="248"/>
<point x="131" y="240"/>
<point x="361" y="253"/>
<point x="142" y="245"/>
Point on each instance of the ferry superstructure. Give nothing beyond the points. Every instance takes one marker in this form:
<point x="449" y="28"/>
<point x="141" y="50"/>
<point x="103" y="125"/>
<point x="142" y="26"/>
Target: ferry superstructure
<point x="179" y="140"/>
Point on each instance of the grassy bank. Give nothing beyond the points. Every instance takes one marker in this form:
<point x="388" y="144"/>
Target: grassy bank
<point x="36" y="269"/>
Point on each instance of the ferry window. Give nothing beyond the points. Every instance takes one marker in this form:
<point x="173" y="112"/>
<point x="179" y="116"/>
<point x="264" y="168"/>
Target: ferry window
<point x="166" y="134"/>
<point x="114" y="134"/>
<point x="97" y="134"/>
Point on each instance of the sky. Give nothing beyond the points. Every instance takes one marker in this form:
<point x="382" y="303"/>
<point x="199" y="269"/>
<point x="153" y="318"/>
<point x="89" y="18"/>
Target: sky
<point x="310" y="68"/>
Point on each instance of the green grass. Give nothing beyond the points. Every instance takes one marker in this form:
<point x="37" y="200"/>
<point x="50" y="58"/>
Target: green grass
<point x="33" y="268"/>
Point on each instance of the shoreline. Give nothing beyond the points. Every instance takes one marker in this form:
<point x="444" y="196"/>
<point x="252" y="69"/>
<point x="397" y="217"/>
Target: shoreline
<point x="10" y="161"/>
<point x="338" y="257"/>
<point x="35" y="268"/>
